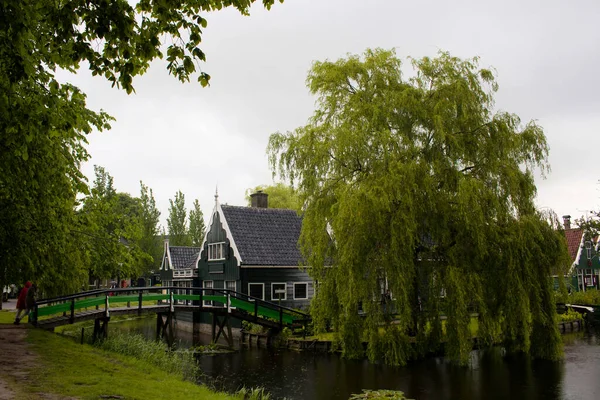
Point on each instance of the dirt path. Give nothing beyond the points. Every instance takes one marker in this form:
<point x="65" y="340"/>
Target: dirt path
<point x="17" y="358"/>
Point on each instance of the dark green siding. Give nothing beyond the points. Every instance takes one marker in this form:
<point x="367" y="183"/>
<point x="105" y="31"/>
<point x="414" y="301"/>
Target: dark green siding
<point x="217" y="271"/>
<point x="279" y="275"/>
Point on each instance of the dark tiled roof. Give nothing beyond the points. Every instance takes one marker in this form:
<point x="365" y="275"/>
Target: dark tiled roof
<point x="183" y="257"/>
<point x="573" y="237"/>
<point x="265" y="236"/>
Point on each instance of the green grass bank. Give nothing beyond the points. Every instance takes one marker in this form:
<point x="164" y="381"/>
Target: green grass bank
<point x="64" y="368"/>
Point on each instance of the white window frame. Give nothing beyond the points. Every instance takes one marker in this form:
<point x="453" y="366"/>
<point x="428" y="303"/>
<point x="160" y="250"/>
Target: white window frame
<point x="207" y="303"/>
<point x="234" y="285"/>
<point x="234" y="289"/>
<point x="273" y="294"/>
<point x="300" y="283"/>
<point x="263" y="290"/>
<point x="213" y="254"/>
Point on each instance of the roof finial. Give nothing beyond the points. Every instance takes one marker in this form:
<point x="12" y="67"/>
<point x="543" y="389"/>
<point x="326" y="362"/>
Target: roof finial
<point x="217" y="194"/>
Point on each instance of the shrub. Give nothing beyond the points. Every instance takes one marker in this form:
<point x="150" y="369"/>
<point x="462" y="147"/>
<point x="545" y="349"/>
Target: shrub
<point x="569" y="316"/>
<point x="590" y="296"/>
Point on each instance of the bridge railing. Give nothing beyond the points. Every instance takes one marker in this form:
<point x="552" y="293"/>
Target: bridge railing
<point x="203" y="298"/>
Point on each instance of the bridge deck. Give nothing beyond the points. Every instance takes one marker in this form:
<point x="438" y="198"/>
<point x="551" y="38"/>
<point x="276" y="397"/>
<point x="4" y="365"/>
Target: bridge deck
<point x="52" y="313"/>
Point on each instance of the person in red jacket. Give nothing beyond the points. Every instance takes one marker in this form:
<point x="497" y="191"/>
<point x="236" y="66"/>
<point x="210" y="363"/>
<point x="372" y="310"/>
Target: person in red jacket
<point x="22" y="303"/>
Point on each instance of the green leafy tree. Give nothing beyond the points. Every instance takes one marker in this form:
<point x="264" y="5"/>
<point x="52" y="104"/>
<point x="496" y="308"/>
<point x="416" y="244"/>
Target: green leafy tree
<point x="114" y="231"/>
<point x="150" y="242"/>
<point x="44" y="122"/>
<point x="177" y="221"/>
<point x="197" y="227"/>
<point x="419" y="186"/>
<point x="280" y="196"/>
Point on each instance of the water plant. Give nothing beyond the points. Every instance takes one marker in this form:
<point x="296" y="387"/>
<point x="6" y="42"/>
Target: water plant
<point x="379" y="395"/>
<point x="257" y="393"/>
<point x="180" y="362"/>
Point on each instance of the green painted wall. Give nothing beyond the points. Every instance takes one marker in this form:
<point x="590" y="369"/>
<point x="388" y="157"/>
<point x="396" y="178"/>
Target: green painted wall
<point x="217" y="271"/>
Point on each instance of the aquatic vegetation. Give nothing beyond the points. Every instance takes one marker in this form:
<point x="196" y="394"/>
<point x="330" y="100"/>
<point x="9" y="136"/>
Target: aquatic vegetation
<point x="379" y="394"/>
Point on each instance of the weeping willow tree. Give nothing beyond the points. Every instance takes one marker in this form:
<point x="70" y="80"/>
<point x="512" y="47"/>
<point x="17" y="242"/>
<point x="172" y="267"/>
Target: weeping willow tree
<point x="417" y="186"/>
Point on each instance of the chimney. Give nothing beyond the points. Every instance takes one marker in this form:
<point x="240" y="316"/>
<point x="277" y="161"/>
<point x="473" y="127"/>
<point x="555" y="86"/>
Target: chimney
<point x="567" y="221"/>
<point x="260" y="199"/>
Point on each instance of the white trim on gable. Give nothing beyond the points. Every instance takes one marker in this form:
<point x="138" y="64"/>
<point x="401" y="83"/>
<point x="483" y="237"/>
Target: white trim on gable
<point x="236" y="253"/>
<point x="167" y="253"/>
<point x="578" y="256"/>
<point x="219" y="210"/>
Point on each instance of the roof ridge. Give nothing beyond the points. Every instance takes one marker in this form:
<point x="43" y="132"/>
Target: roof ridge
<point x="259" y="208"/>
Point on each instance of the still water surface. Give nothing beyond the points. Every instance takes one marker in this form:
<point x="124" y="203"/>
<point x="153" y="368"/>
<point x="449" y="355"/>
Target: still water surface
<point x="299" y="376"/>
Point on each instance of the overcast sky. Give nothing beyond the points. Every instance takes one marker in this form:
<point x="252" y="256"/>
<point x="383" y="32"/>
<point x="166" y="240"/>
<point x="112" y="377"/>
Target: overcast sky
<point x="175" y="136"/>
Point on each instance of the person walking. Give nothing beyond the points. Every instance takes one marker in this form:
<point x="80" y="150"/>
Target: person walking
<point x="30" y="300"/>
<point x="22" y="303"/>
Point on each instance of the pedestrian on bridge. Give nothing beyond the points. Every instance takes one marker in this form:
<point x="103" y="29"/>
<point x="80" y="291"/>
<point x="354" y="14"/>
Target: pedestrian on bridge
<point x="22" y="303"/>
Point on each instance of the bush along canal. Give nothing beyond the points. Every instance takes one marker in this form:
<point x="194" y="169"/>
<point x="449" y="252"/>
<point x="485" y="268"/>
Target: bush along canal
<point x="491" y="374"/>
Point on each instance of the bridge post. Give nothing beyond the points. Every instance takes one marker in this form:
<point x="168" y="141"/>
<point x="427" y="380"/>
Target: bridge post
<point x="280" y="318"/>
<point x="106" y="307"/>
<point x="158" y="325"/>
<point x="140" y="303"/>
<point x="164" y="328"/>
<point x="100" y="328"/>
<point x="72" y="317"/>
<point x="221" y="325"/>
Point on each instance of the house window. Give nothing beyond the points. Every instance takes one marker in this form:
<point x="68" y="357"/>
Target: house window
<point x="183" y="285"/>
<point x="277" y="290"/>
<point x="256" y="290"/>
<point x="216" y="251"/>
<point x="300" y="291"/>
<point x="230" y="285"/>
<point x="207" y="285"/>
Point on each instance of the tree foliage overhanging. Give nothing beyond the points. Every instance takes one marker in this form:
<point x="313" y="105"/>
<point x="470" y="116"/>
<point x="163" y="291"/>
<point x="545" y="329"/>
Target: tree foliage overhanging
<point x="44" y="122"/>
<point x="417" y="185"/>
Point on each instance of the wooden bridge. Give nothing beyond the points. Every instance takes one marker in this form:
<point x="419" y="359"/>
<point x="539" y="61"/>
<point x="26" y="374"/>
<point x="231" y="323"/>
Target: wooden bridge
<point x="100" y="305"/>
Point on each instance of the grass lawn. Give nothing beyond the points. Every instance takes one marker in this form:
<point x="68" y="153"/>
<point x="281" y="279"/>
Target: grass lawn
<point x="83" y="371"/>
<point x="66" y="368"/>
<point x="7" y="316"/>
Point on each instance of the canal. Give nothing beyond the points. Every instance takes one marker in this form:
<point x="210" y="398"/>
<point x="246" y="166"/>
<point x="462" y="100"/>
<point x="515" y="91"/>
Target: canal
<point x="490" y="375"/>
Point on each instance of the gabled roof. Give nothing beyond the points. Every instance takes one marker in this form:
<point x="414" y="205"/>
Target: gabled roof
<point x="183" y="257"/>
<point x="265" y="236"/>
<point x="573" y="237"/>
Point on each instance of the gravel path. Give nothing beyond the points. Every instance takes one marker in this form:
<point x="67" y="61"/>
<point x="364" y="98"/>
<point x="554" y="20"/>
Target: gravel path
<point x="16" y="358"/>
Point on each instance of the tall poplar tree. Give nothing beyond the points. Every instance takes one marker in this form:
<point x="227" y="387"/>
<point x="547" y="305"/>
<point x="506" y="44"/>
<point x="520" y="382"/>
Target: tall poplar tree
<point x="150" y="218"/>
<point x="113" y="231"/>
<point x="419" y="186"/>
<point x="197" y="227"/>
<point x="177" y="221"/>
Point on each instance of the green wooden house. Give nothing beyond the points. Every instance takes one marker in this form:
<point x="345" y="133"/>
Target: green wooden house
<point x="584" y="251"/>
<point x="254" y="250"/>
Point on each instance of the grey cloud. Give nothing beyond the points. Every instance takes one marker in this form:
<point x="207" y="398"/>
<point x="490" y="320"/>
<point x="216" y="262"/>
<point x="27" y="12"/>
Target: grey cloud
<point x="175" y="136"/>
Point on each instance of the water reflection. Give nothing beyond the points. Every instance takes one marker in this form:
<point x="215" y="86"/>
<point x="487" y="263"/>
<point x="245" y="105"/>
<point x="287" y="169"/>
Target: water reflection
<point x="490" y="376"/>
